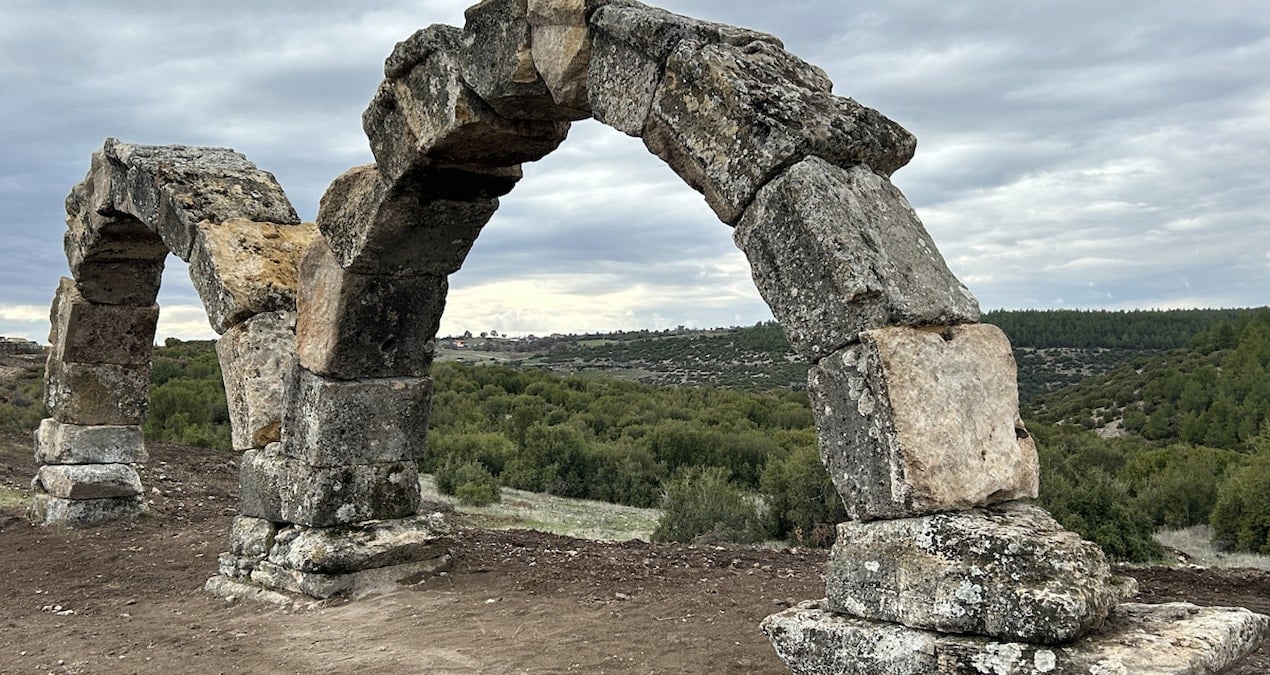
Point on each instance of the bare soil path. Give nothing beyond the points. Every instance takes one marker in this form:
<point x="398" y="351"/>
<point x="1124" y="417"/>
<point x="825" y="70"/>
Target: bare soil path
<point x="127" y="598"/>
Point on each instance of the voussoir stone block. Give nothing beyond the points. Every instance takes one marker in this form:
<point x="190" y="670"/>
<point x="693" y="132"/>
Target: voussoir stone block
<point x="87" y="481"/>
<point x="91" y="237"/>
<point x="1009" y="571"/>
<point x="375" y="228"/>
<point x="423" y="115"/>
<point x="918" y="421"/>
<point x="241" y="268"/>
<point x="119" y="282"/>
<point x="96" y="394"/>
<point x="837" y="251"/>
<point x="332" y="422"/>
<point x="173" y="188"/>
<point x="630" y="45"/>
<point x="354" y="325"/>
<point x="728" y="119"/>
<point x="49" y="510"/>
<point x="58" y="443"/>
<point x="256" y="358"/>
<point x="87" y="332"/>
<point x="1139" y="639"/>
<point x="362" y="546"/>
<point x="560" y="40"/>
<point x="498" y="63"/>
<point x="280" y="489"/>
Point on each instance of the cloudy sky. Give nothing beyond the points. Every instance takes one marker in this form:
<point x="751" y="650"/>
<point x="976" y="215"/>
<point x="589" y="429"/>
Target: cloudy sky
<point x="1109" y="154"/>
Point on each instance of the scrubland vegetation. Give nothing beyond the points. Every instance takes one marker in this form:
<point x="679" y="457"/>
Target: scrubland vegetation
<point x="1179" y="401"/>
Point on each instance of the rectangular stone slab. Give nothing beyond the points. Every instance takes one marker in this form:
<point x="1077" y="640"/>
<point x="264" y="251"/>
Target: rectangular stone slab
<point x="1168" y="639"/>
<point x="119" y="282"/>
<point x="97" y="394"/>
<point x="50" y="510"/>
<point x="330" y="422"/>
<point x="917" y="421"/>
<point x="87" y="332"/>
<point x="284" y="490"/>
<point x="1009" y="572"/>
<point x="322" y="586"/>
<point x="353" y="548"/>
<point x="837" y="251"/>
<point x="256" y="358"/>
<point x="87" y="481"/>
<point x="58" y="443"/>
<point x="354" y="325"/>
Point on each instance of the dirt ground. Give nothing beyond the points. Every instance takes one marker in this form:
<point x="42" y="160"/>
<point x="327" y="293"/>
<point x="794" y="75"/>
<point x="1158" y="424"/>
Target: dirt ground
<point x="127" y="597"/>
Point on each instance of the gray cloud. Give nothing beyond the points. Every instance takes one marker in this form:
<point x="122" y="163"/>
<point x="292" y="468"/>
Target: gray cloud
<point x="1107" y="154"/>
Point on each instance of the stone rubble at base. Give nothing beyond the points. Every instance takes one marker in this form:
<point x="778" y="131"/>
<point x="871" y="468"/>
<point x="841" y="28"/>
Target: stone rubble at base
<point x="916" y="406"/>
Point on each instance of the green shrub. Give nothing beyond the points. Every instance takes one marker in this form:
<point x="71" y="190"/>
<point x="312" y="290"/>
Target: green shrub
<point x="1241" y="518"/>
<point x="802" y="503"/>
<point x="702" y="502"/>
<point x="469" y="481"/>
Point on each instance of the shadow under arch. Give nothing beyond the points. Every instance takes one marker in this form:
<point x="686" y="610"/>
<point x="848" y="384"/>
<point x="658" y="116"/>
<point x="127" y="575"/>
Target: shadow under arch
<point x="235" y="227"/>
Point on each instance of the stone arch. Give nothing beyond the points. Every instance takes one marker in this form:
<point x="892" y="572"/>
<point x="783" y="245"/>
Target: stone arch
<point x="241" y="237"/>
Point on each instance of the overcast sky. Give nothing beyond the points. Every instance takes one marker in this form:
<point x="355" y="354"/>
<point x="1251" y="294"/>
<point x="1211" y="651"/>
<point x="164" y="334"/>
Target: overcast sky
<point x="1109" y="154"/>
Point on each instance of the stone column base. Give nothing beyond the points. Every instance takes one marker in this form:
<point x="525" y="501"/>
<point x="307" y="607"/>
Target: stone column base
<point x="1137" y="639"/>
<point x="47" y="509"/>
<point x="268" y="561"/>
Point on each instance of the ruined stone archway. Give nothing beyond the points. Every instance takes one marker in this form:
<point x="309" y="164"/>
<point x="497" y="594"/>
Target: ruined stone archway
<point x="235" y="227"/>
<point x="915" y="403"/>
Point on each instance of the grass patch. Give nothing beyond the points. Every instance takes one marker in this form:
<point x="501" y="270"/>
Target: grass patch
<point x="10" y="498"/>
<point x="579" y="518"/>
<point x="1197" y="542"/>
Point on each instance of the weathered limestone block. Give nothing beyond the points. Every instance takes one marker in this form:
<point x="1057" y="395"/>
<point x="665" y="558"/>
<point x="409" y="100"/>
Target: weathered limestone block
<point x="560" y="40"/>
<point x="87" y="481"/>
<point x="113" y="261"/>
<point x="363" y="546"/>
<point x="837" y="251"/>
<point x="425" y="116"/>
<point x="1010" y="572"/>
<point x="87" y="332"/>
<point x="242" y="268"/>
<point x="728" y="119"/>
<point x="498" y="63"/>
<point x="236" y="567"/>
<point x="96" y="394"/>
<point x="1167" y="639"/>
<point x="331" y="422"/>
<point x="374" y="228"/>
<point x="630" y="45"/>
<point x="284" y="490"/>
<point x="353" y="584"/>
<point x="173" y="188"/>
<point x="251" y="538"/>
<point x="49" y="510"/>
<point x="58" y="443"/>
<point x="913" y="422"/>
<point x="365" y="325"/>
<point x="256" y="358"/>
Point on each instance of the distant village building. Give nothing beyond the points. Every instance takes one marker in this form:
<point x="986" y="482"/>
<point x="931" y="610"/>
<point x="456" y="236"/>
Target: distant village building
<point x="17" y="345"/>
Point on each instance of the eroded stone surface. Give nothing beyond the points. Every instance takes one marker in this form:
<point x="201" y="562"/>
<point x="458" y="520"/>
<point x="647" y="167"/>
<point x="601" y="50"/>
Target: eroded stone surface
<point x="1010" y="572"/>
<point x="87" y="332"/>
<point x="119" y="282"/>
<point x="87" y="481"/>
<point x="118" y="260"/>
<point x="256" y="358"/>
<point x="375" y="228"/>
<point x="917" y="421"/>
<point x="1168" y="639"/>
<point x="97" y="394"/>
<point x="498" y="63"/>
<point x="285" y="490"/>
<point x="354" y="584"/>
<point x="251" y="538"/>
<point x="49" y="510"/>
<point x="365" y="325"/>
<point x="560" y="41"/>
<point x="425" y="116"/>
<point x="173" y="188"/>
<point x="727" y="119"/>
<point x="241" y="268"/>
<point x="332" y="422"/>
<point x="836" y="251"/>
<point x="58" y="443"/>
<point x="363" y="546"/>
<point x="631" y="43"/>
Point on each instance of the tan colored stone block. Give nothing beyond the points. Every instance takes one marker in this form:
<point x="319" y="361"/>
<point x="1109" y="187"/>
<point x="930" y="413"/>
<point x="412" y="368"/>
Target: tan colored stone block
<point x="256" y="358"/>
<point x="498" y="62"/>
<point x="919" y="421"/>
<point x="242" y="268"/>
<point x="560" y="40"/>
